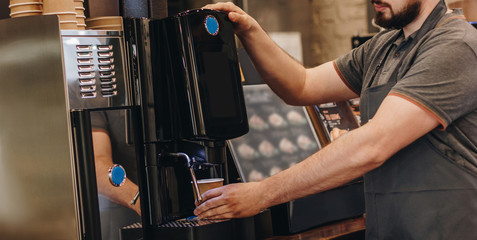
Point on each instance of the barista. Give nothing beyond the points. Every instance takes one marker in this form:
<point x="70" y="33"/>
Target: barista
<point x="417" y="147"/>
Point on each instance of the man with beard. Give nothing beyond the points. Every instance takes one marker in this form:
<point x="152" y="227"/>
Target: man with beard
<point x="417" y="82"/>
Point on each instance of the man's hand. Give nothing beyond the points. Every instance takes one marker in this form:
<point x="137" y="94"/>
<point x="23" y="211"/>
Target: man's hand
<point x="232" y="201"/>
<point x="242" y="21"/>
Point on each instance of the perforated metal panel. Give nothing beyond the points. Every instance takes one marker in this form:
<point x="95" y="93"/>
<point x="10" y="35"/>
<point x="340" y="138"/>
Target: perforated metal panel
<point x="96" y="71"/>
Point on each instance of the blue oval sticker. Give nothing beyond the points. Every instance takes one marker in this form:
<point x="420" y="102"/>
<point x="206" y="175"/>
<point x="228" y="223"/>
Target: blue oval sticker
<point x="211" y="25"/>
<point x="117" y="175"/>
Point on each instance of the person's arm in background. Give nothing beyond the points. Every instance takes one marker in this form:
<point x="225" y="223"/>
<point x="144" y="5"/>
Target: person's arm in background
<point x="295" y="84"/>
<point x="122" y="195"/>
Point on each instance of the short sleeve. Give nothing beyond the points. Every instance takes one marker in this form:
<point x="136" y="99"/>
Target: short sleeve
<point x="350" y="68"/>
<point x="442" y="80"/>
<point x="99" y="121"/>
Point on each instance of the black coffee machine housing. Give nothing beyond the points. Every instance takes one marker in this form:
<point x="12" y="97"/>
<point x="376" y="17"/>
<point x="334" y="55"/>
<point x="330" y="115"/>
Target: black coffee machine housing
<point x="197" y="77"/>
<point x="192" y="102"/>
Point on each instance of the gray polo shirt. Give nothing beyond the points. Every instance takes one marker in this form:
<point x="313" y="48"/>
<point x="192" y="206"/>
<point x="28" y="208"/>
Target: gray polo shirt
<point x="439" y="75"/>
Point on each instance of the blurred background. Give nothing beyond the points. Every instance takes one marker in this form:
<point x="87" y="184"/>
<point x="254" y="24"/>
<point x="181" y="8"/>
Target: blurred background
<point x="321" y="30"/>
<point x="325" y="27"/>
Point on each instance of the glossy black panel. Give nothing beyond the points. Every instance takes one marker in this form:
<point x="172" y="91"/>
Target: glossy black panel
<point x="86" y="174"/>
<point x="196" y="78"/>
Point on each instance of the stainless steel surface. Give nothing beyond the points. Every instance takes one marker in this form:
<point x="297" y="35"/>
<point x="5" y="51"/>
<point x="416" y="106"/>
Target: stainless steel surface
<point x="95" y="69"/>
<point x="37" y="195"/>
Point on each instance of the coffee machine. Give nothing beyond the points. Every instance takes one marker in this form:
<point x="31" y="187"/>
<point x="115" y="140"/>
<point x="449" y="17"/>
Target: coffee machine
<point x="56" y="79"/>
<point x="178" y="81"/>
<point x="192" y="102"/>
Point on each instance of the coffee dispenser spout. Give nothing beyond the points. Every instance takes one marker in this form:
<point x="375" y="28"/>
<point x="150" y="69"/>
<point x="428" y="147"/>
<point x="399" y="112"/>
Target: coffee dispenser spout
<point x="190" y="165"/>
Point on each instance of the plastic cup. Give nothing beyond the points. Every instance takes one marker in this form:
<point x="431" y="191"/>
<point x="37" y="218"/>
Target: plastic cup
<point x="207" y="184"/>
<point x="58" y="6"/>
<point x="25" y="13"/>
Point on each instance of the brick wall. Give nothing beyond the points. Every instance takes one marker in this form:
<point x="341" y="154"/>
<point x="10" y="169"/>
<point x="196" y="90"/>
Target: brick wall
<point x="335" y="22"/>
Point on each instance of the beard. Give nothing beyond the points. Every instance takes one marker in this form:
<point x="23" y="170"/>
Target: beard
<point x="400" y="19"/>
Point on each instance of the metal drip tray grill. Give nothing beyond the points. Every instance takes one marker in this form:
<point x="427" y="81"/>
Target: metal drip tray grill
<point x="181" y="223"/>
<point x="133" y="226"/>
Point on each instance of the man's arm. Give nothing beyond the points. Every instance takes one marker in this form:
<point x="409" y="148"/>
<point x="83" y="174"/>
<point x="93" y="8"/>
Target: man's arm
<point x="295" y="84"/>
<point x="397" y="123"/>
<point x="103" y="161"/>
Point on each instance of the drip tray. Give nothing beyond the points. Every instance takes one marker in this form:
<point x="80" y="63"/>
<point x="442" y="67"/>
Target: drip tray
<point x="184" y="223"/>
<point x="183" y="229"/>
<point x="181" y="223"/>
<point x="252" y="228"/>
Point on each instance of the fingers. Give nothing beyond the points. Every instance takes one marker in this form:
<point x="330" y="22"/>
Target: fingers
<point x="241" y="20"/>
<point x="220" y="212"/>
<point x="207" y="195"/>
<point x="235" y="17"/>
<point x="212" y="193"/>
<point x="229" y="201"/>
<point x="209" y="202"/>
<point x="224" y="6"/>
